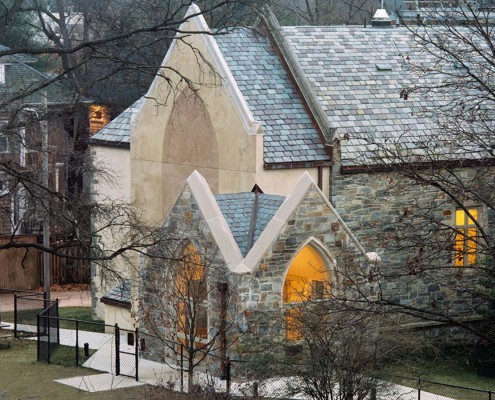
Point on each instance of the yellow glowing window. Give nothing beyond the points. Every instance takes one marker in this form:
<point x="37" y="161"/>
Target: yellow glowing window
<point x="466" y="237"/>
<point x="99" y="116"/>
<point x="191" y="292"/>
<point x="307" y="279"/>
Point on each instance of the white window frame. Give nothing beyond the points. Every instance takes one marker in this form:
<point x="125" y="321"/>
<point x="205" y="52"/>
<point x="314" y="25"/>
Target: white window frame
<point x="3" y="76"/>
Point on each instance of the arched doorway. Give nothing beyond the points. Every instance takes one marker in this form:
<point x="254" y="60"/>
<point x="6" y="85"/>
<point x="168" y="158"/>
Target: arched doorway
<point x="307" y="279"/>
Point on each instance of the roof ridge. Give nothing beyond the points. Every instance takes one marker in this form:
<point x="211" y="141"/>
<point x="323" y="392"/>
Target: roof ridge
<point x="296" y="75"/>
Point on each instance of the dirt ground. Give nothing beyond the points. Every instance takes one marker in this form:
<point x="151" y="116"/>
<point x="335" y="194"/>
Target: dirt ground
<point x="68" y="296"/>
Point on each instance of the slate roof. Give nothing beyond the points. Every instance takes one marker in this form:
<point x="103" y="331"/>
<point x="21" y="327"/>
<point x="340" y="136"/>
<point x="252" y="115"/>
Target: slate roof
<point x="357" y="74"/>
<point x="238" y="208"/>
<point x="289" y="135"/>
<point x="121" y="293"/>
<point x="118" y="131"/>
<point x="26" y="85"/>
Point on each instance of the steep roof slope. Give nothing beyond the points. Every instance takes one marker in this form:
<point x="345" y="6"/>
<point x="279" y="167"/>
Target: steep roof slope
<point x="289" y="135"/>
<point x="118" y="131"/>
<point x="248" y="214"/>
<point x="26" y="85"/>
<point x="357" y="75"/>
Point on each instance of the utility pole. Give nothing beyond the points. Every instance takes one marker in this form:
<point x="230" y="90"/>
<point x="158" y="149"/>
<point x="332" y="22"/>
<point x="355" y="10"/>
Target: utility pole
<point x="46" y="218"/>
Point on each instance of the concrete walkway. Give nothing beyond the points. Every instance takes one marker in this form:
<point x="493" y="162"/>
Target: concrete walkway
<point x="154" y="373"/>
<point x="99" y="383"/>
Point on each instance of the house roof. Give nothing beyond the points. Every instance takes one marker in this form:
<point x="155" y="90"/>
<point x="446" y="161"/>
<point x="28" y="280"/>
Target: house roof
<point x="121" y="293"/>
<point x="15" y="57"/>
<point x="118" y="131"/>
<point x="357" y="75"/>
<point x="289" y="135"/>
<point x="247" y="215"/>
<point x="26" y="85"/>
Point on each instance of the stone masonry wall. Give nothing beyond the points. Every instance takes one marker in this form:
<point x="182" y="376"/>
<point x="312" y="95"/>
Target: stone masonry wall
<point x="185" y="223"/>
<point x="396" y="217"/>
<point x="261" y="292"/>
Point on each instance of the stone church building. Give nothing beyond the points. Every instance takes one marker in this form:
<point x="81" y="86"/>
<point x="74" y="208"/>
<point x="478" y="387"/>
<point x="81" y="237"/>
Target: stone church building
<point x="271" y="148"/>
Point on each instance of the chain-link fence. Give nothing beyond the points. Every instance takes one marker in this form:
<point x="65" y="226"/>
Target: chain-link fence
<point x="48" y="332"/>
<point x="258" y="381"/>
<point x="127" y="352"/>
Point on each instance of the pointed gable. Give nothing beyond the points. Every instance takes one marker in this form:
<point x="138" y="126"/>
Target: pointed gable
<point x="237" y="221"/>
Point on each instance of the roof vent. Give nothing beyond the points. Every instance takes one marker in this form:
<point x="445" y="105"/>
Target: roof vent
<point x="381" y="19"/>
<point x="383" y="67"/>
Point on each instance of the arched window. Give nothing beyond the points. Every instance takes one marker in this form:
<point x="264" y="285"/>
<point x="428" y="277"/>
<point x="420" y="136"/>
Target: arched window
<point x="190" y="290"/>
<point x="307" y="278"/>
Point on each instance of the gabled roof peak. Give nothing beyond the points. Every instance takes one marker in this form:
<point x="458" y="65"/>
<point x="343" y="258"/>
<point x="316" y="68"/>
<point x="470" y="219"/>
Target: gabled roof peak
<point x="224" y="237"/>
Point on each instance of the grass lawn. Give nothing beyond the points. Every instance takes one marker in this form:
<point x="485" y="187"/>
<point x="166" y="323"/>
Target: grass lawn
<point x="452" y="371"/>
<point x="80" y="313"/>
<point x="22" y="377"/>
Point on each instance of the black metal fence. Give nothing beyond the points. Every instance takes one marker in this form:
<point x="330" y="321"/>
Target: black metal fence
<point x="27" y="306"/>
<point x="258" y="381"/>
<point x="174" y="366"/>
<point x="127" y="352"/>
<point x="422" y="389"/>
<point x="48" y="332"/>
<point x="67" y="341"/>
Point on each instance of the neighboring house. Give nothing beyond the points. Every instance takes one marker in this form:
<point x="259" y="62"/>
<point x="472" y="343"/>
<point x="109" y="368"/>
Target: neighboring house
<point x="31" y="103"/>
<point x="414" y="11"/>
<point x="258" y="110"/>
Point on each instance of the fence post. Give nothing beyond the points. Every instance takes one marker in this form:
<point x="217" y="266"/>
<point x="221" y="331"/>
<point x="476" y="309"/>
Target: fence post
<point x="136" y="348"/>
<point x="77" y="343"/>
<point x="38" y="335"/>
<point x="58" y="321"/>
<point x="227" y="376"/>
<point x="419" y="389"/>
<point x="48" y="338"/>
<point x="489" y="395"/>
<point x="15" y="316"/>
<point x="117" y="350"/>
<point x="181" y="368"/>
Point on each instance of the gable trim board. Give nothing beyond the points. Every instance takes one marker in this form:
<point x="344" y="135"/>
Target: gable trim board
<point x="225" y="239"/>
<point x="195" y="16"/>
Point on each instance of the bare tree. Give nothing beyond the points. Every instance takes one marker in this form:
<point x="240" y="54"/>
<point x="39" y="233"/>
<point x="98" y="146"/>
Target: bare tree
<point x="89" y="51"/>
<point x="187" y="307"/>
<point x="447" y="232"/>
<point x="325" y="12"/>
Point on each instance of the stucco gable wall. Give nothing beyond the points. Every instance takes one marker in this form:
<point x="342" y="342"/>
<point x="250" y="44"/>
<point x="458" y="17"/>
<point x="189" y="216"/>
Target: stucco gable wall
<point x="112" y="185"/>
<point x="151" y="170"/>
<point x="261" y="292"/>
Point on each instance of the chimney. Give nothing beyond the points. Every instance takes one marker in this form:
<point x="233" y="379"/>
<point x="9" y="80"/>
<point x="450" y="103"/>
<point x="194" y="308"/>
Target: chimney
<point x="381" y="19"/>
